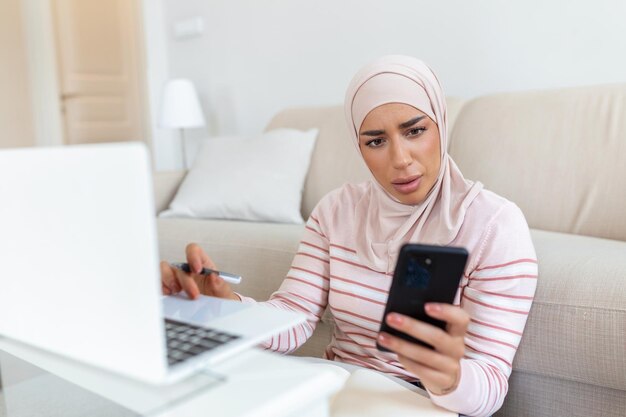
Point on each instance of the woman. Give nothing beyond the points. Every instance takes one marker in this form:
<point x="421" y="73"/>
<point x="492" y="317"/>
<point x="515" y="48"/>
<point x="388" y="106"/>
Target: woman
<point x="396" y="113"/>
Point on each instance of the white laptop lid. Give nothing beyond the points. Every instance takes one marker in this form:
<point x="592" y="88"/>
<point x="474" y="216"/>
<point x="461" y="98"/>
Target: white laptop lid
<point x="78" y="245"/>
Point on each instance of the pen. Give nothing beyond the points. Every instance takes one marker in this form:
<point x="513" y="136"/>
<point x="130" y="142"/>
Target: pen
<point x="231" y="278"/>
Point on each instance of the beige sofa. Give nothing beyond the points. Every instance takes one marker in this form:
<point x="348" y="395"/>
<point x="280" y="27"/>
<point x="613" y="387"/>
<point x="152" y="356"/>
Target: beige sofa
<point x="561" y="156"/>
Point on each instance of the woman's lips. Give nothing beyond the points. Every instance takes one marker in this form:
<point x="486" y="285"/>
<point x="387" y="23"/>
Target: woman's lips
<point x="407" y="185"/>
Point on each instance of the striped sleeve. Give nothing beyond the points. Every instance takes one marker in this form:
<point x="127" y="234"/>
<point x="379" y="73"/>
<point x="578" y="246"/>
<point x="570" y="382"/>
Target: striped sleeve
<point x="305" y="288"/>
<point x="497" y="296"/>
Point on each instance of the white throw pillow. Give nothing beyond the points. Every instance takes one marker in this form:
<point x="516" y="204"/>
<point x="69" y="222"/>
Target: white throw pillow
<point x="259" y="178"/>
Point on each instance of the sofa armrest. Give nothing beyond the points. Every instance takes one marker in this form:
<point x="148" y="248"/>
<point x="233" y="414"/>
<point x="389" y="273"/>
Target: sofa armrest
<point x="166" y="184"/>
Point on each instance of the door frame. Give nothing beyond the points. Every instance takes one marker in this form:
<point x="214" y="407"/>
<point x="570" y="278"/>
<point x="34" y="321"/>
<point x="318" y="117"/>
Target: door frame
<point x="43" y="74"/>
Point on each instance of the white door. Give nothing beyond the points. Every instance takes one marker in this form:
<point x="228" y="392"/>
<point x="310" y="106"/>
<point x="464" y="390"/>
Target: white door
<point x="101" y="73"/>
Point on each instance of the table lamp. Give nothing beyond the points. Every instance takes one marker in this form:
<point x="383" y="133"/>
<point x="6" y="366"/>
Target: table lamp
<point x="180" y="109"/>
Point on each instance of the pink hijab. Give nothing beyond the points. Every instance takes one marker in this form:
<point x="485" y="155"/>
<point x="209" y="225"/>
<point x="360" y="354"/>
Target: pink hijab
<point x="387" y="223"/>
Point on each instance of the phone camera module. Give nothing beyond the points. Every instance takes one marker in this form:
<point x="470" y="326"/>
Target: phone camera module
<point x="416" y="275"/>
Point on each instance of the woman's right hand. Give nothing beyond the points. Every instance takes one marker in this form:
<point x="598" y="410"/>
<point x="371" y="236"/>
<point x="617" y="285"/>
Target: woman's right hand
<point x="174" y="280"/>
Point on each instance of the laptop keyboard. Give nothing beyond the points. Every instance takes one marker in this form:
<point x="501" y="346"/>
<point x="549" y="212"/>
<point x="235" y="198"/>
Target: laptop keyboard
<point x="185" y="340"/>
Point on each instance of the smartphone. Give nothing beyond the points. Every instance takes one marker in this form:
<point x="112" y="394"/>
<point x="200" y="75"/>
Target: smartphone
<point x="423" y="274"/>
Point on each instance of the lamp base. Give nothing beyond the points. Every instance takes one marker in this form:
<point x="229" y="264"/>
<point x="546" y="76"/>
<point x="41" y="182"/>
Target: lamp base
<point x="184" y="149"/>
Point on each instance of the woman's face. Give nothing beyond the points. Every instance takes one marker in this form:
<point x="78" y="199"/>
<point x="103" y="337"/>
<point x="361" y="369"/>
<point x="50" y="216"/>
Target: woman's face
<point x="400" y="145"/>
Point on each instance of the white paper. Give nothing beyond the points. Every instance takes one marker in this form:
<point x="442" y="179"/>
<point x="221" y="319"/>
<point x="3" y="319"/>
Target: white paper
<point x="369" y="393"/>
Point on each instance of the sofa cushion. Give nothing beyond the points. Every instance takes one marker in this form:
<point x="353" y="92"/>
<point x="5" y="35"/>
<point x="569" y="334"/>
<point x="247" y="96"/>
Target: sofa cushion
<point x="577" y="325"/>
<point x="533" y="395"/>
<point x="559" y="155"/>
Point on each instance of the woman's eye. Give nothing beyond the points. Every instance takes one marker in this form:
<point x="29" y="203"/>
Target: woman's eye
<point x="416" y="131"/>
<point x="375" y="143"/>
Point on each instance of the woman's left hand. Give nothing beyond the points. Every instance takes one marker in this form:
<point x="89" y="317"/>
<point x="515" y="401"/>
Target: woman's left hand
<point x="439" y="370"/>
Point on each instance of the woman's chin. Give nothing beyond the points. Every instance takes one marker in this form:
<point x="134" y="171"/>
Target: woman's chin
<point x="412" y="199"/>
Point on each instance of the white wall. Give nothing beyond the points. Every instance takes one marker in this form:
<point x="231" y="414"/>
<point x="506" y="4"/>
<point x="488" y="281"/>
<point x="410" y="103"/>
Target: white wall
<point x="166" y="150"/>
<point x="259" y="56"/>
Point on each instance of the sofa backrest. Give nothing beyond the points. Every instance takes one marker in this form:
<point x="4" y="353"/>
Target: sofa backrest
<point x="560" y="155"/>
<point x="335" y="160"/>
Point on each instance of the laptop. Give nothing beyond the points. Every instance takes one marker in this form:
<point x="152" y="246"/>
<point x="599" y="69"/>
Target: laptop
<point x="80" y="269"/>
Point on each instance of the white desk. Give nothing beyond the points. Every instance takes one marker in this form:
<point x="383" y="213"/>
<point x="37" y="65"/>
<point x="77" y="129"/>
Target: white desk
<point x="255" y="384"/>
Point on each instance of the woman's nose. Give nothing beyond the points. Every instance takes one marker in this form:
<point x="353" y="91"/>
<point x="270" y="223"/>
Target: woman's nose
<point x="400" y="155"/>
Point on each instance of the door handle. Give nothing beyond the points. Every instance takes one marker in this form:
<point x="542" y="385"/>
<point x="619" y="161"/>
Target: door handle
<point x="66" y="96"/>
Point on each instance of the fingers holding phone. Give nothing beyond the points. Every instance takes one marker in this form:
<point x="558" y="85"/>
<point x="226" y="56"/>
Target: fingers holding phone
<point x="457" y="320"/>
<point x="449" y="342"/>
<point x="438" y="368"/>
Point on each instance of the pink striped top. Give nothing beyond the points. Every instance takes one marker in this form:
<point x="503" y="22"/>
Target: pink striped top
<point x="496" y="291"/>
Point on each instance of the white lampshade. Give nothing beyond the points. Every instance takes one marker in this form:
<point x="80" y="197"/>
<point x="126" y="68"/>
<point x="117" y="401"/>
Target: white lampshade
<point x="180" y="107"/>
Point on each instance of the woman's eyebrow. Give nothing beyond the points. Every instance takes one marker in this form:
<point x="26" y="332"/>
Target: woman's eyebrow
<point x="373" y="133"/>
<point x="411" y="122"/>
<point x="401" y="126"/>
